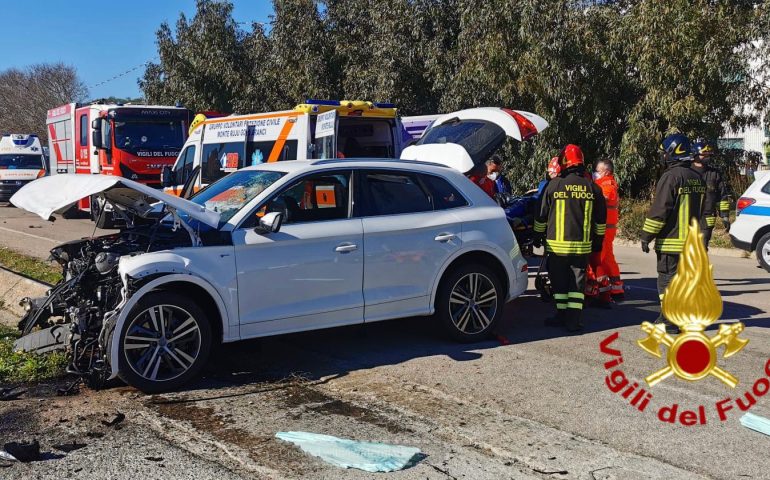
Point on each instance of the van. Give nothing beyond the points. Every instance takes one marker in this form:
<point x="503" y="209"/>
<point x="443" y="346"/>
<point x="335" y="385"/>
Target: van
<point x="317" y="129"/>
<point x="21" y="161"/>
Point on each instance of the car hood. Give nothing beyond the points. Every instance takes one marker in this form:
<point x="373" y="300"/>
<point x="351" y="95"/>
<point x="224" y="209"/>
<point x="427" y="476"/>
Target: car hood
<point x="57" y="193"/>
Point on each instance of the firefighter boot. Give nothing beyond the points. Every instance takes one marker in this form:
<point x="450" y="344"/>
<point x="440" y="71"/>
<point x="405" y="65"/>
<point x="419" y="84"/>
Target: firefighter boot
<point x="557" y="320"/>
<point x="572" y="322"/>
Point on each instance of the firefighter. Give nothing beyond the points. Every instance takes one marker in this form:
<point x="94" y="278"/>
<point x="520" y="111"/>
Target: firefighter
<point x="605" y="265"/>
<point x="572" y="222"/>
<point x="717" y="198"/>
<point x="678" y="197"/>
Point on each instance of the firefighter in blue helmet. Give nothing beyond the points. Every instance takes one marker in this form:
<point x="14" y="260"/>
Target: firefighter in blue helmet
<point x="678" y="197"/>
<point x="717" y="195"/>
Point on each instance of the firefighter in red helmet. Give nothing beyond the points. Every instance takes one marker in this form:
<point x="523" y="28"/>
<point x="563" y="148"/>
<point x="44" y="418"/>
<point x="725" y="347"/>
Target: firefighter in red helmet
<point x="572" y="222"/>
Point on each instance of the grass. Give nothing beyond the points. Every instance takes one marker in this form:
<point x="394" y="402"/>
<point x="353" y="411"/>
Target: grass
<point x="30" y="266"/>
<point x="20" y="367"/>
<point x="633" y="213"/>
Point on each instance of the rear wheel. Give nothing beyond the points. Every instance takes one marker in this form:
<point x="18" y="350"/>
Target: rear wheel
<point x="164" y="343"/>
<point x="763" y="251"/>
<point x="470" y="302"/>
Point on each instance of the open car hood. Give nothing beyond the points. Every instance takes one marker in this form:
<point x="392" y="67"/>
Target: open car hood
<point x="57" y="193"/>
<point x="479" y="132"/>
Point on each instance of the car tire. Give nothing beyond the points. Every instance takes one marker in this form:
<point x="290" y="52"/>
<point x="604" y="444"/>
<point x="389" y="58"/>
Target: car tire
<point x="102" y="221"/>
<point x="164" y="343"/>
<point x="763" y="251"/>
<point x="467" y="313"/>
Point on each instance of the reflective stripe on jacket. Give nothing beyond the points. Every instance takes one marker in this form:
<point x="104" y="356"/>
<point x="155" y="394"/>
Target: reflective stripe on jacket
<point x="678" y="198"/>
<point x="572" y="214"/>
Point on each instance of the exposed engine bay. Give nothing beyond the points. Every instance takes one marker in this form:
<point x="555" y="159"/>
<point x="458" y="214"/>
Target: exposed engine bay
<point x="76" y="314"/>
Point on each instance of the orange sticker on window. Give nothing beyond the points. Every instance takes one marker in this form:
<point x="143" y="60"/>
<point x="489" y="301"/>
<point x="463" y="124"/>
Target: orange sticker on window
<point x="231" y="160"/>
<point x="324" y="196"/>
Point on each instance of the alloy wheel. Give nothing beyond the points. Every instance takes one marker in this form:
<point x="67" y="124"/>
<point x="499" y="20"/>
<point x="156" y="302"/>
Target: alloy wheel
<point x="473" y="303"/>
<point x="162" y="342"/>
<point x="766" y="252"/>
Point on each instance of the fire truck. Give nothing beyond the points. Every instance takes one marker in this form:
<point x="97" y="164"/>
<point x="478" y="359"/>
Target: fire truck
<point x="131" y="141"/>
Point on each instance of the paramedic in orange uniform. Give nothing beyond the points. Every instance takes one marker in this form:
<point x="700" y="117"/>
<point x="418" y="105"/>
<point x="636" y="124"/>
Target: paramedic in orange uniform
<point x="607" y="266"/>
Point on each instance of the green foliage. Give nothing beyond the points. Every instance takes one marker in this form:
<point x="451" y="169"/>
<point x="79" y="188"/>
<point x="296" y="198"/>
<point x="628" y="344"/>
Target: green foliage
<point x="32" y="267"/>
<point x="16" y="367"/>
<point x="611" y="76"/>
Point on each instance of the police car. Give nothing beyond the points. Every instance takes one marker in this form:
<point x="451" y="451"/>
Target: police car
<point x="21" y="161"/>
<point x="751" y="230"/>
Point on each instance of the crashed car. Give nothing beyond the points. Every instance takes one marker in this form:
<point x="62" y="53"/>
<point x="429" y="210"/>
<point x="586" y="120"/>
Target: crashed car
<point x="277" y="248"/>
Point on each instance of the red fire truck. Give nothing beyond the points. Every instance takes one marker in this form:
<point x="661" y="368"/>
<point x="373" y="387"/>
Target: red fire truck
<point x="132" y="141"/>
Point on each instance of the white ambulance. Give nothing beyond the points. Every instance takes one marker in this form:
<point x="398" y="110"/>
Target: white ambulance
<point x="21" y="161"/>
<point x="317" y="129"/>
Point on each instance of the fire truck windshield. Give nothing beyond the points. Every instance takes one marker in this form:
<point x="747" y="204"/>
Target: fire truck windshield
<point x="21" y="161"/>
<point x="148" y="135"/>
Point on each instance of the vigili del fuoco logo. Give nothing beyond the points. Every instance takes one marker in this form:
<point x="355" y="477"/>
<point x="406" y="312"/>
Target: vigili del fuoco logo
<point x="691" y="302"/>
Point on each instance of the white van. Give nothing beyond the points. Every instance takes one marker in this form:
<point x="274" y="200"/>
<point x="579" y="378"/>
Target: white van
<point x="21" y="161"/>
<point x="317" y="129"/>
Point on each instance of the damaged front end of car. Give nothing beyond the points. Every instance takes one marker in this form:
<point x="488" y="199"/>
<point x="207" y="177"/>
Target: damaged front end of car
<point x="79" y="313"/>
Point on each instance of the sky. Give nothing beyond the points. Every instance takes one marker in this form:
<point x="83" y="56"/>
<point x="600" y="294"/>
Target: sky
<point x="101" y="39"/>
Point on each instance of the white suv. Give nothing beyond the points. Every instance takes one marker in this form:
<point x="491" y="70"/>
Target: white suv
<point x="282" y="247"/>
<point x="751" y="230"/>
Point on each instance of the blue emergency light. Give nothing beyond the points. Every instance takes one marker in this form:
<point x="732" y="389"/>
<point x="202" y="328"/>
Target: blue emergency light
<point x="331" y="103"/>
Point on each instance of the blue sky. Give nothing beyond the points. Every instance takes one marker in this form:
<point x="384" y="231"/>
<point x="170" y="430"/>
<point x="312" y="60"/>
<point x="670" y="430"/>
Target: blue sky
<point x="99" y="38"/>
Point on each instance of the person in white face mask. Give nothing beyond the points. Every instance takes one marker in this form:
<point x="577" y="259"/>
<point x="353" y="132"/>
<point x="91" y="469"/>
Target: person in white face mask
<point x="495" y="173"/>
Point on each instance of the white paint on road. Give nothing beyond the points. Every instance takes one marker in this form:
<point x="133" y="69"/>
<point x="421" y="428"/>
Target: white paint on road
<point x="38" y="237"/>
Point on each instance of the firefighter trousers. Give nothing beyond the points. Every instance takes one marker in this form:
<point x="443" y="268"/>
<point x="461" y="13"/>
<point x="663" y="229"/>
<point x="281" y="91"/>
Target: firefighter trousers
<point x="568" y="277"/>
<point x="667" y="263"/>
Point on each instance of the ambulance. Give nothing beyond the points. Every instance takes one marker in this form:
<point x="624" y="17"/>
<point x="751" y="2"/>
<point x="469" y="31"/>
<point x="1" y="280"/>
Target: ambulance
<point x="316" y="129"/>
<point x="21" y="161"/>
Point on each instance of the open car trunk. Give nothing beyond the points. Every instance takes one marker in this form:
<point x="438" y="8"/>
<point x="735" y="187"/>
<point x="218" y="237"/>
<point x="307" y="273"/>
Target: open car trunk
<point x="466" y="138"/>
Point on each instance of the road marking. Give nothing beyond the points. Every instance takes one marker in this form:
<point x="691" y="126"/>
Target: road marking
<point x="29" y="235"/>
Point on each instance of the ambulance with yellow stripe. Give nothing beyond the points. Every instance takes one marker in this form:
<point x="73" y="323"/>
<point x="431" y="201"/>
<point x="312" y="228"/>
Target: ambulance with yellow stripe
<point x="316" y="129"/>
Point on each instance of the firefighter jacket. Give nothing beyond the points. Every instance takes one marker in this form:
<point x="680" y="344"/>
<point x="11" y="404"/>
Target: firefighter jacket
<point x="678" y="197"/>
<point x="572" y="214"/>
<point x="610" y="190"/>
<point x="717" y="198"/>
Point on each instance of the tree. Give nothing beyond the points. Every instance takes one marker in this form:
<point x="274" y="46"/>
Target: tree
<point x="26" y="96"/>
<point x="201" y="62"/>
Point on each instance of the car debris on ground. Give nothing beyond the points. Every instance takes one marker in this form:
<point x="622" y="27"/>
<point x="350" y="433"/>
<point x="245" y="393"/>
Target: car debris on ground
<point x="345" y="453"/>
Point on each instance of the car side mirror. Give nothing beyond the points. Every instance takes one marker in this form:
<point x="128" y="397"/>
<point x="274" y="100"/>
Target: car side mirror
<point x="167" y="177"/>
<point x="269" y="223"/>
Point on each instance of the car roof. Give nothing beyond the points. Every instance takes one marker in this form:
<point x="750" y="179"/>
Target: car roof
<point x="299" y="166"/>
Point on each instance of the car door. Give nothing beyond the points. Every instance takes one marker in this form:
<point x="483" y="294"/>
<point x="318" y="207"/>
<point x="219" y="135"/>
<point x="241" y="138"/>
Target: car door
<point x="308" y="275"/>
<point x="407" y="239"/>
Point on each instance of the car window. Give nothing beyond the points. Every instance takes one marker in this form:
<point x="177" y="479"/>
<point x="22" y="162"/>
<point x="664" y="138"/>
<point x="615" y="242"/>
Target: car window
<point x="219" y="159"/>
<point x="444" y="195"/>
<point x="232" y="192"/>
<point x="313" y="198"/>
<point x="479" y="138"/>
<point x="259" y="152"/>
<point x="393" y="193"/>
<point x="766" y="188"/>
<point x="185" y="165"/>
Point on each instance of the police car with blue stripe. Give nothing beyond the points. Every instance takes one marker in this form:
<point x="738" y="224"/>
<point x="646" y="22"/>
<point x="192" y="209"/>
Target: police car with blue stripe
<point x="21" y="161"/>
<point x="751" y="230"/>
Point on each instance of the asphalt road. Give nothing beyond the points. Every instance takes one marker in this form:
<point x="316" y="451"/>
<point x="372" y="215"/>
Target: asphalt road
<point x="537" y="407"/>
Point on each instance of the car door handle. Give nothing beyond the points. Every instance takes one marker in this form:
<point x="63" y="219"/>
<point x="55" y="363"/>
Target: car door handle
<point x="346" y="248"/>
<point x="445" y="237"/>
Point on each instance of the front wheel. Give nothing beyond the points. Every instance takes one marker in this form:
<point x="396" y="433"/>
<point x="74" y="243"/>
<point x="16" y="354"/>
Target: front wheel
<point x="164" y="343"/>
<point x="470" y="303"/>
<point x="763" y="251"/>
